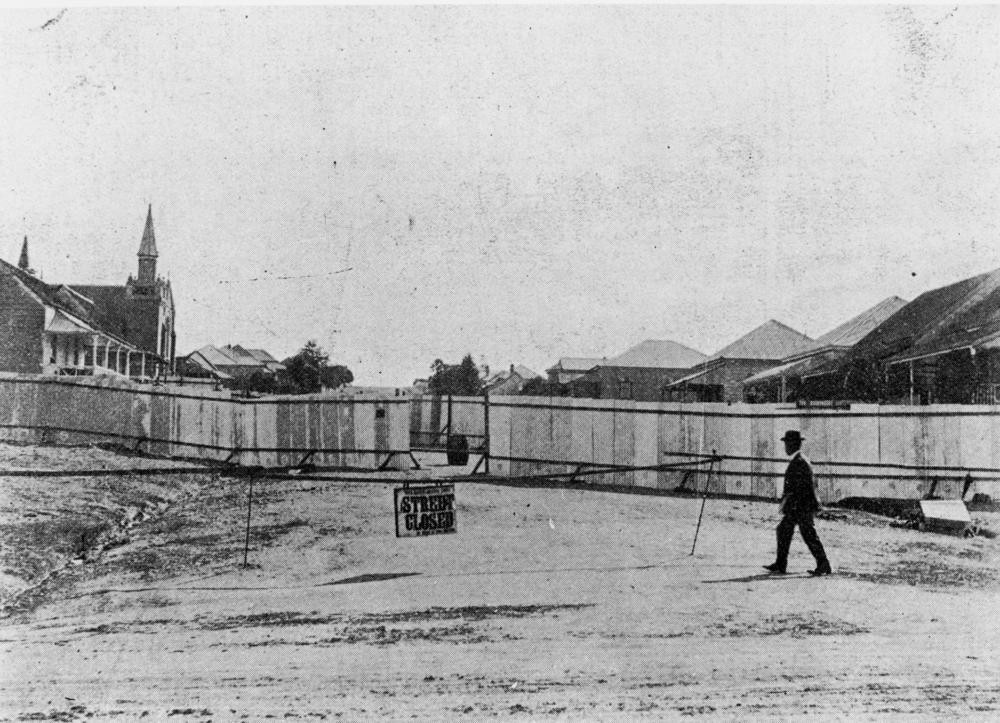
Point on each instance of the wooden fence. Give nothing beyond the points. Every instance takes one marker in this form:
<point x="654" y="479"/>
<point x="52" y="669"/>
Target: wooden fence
<point x="270" y="431"/>
<point x="863" y="451"/>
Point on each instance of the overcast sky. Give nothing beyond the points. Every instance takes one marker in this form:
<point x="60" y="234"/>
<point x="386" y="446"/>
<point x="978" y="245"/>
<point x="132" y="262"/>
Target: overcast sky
<point x="408" y="183"/>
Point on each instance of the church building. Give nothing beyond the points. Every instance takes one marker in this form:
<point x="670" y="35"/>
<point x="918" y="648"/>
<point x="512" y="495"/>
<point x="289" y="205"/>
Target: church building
<point x="88" y="329"/>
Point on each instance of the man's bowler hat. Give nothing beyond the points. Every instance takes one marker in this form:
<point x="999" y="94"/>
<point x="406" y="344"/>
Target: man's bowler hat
<point x="792" y="435"/>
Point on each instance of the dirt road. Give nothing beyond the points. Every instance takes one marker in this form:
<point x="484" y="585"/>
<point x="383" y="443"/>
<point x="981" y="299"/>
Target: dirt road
<point x="547" y="604"/>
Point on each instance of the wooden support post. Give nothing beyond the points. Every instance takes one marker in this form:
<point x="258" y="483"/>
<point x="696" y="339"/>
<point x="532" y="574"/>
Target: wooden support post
<point x="486" y="429"/>
<point x="911" y="383"/>
<point x="447" y="427"/>
<point x="388" y="459"/>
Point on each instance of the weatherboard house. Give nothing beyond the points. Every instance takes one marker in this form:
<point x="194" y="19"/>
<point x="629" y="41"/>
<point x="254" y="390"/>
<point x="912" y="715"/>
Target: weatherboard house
<point x="720" y="378"/>
<point x="78" y="329"/>
<point x="643" y="373"/>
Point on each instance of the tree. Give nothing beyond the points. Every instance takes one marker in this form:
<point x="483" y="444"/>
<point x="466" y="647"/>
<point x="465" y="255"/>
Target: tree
<point x="308" y="371"/>
<point x="460" y="379"/>
<point x="335" y="376"/>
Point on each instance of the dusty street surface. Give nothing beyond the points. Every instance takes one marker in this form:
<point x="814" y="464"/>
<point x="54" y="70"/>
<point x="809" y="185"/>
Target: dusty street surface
<point x="547" y="603"/>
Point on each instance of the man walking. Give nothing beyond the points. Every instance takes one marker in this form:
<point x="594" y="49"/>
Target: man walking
<point x="798" y="505"/>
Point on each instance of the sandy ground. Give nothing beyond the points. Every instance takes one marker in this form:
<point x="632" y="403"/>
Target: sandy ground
<point x="547" y="604"/>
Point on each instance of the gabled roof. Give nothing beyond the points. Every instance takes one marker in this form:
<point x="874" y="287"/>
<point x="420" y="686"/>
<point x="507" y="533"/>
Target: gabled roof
<point x="65" y="299"/>
<point x="576" y="363"/>
<point x="854" y="330"/>
<point x="958" y="316"/>
<point x="240" y="356"/>
<point x="658" y="354"/>
<point x="520" y="370"/>
<point x="261" y="355"/>
<point x="108" y="305"/>
<point x="234" y="355"/>
<point x="215" y="356"/>
<point x="266" y="359"/>
<point x="770" y="340"/>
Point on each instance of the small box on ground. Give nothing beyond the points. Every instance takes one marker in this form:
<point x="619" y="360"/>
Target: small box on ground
<point x="950" y="516"/>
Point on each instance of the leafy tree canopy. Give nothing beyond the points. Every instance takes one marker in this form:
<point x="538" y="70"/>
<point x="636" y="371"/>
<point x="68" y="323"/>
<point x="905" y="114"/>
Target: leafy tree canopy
<point x="460" y="379"/>
<point x="309" y="370"/>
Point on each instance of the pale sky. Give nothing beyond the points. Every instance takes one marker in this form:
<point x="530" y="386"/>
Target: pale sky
<point x="522" y="183"/>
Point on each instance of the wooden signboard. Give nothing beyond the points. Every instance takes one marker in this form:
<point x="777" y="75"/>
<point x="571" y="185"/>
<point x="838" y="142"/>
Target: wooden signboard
<point x="427" y="510"/>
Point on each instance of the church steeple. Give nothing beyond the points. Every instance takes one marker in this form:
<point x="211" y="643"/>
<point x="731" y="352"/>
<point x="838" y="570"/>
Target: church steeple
<point x="147" y="252"/>
<point x="23" y="261"/>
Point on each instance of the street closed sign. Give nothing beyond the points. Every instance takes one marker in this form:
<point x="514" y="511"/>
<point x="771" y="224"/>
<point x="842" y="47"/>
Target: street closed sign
<point x="426" y="510"/>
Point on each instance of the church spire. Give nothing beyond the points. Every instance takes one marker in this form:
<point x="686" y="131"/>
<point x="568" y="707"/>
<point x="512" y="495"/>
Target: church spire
<point x="23" y="261"/>
<point x="147" y="252"/>
<point x="148" y="245"/>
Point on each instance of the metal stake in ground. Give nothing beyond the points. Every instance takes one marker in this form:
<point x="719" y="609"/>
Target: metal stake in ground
<point x="246" y="543"/>
<point x="704" y="498"/>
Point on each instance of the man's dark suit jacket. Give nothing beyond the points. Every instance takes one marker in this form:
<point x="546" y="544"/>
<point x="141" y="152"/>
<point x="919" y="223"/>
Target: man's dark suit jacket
<point x="799" y="497"/>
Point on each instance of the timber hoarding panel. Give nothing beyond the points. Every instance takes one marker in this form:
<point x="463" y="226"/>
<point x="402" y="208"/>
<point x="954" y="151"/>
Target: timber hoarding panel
<point x="623" y="414"/>
<point x="581" y="447"/>
<point x="500" y="437"/>
<point x="603" y="431"/>
<point x="603" y="436"/>
<point x="646" y="449"/>
<point x="562" y="432"/>
<point x="363" y="423"/>
<point x="467" y="415"/>
<point x="204" y="427"/>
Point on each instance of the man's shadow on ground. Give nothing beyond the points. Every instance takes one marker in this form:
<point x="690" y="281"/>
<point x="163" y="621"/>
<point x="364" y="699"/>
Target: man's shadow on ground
<point x="768" y="576"/>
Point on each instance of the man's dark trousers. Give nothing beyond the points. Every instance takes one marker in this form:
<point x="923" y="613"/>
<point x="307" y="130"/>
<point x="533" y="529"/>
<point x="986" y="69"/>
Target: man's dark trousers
<point x="786" y="528"/>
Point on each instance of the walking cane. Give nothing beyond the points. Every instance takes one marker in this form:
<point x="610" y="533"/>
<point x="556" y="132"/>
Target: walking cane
<point x="704" y="499"/>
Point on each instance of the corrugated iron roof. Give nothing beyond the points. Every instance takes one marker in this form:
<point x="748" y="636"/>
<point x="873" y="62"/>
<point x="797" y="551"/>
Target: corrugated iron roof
<point x="240" y="355"/>
<point x="215" y="356"/>
<point x="261" y="355"/>
<point x="66" y="299"/>
<point x="798" y="368"/>
<point x="525" y="373"/>
<point x="658" y="354"/>
<point x="851" y="332"/>
<point x="961" y="315"/>
<point x="770" y="340"/>
<point x="520" y="370"/>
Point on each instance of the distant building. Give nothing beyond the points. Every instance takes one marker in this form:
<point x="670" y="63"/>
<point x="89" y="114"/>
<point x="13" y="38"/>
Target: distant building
<point x="941" y="348"/>
<point x="790" y="380"/>
<point x="720" y="378"/>
<point x="642" y="373"/>
<point x="231" y="361"/>
<point x="88" y="329"/>
<point x="569" y="368"/>
<point x="511" y="381"/>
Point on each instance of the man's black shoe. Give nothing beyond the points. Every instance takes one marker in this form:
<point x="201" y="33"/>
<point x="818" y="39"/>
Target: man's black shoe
<point x="775" y="568"/>
<point x="821" y="570"/>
